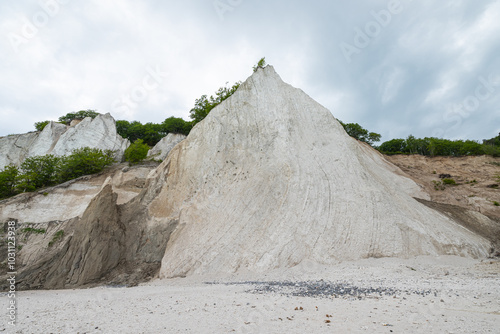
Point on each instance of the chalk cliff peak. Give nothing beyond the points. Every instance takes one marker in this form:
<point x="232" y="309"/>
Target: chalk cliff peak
<point x="270" y="179"/>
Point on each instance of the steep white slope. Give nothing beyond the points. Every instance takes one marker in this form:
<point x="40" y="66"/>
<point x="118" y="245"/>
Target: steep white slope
<point x="47" y="139"/>
<point x="270" y="179"/>
<point x="165" y="145"/>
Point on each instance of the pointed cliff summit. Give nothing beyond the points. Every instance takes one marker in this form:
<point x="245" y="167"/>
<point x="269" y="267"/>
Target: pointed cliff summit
<point x="270" y="179"/>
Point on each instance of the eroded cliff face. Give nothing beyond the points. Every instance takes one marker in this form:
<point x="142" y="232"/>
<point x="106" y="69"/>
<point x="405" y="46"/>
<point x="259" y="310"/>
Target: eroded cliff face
<point x="268" y="180"/>
<point x="107" y="238"/>
<point x="59" y="139"/>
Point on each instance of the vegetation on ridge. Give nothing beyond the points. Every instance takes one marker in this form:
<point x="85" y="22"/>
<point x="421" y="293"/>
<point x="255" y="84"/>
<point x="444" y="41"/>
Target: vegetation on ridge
<point x="357" y="131"/>
<point x="441" y="147"/>
<point x="152" y="133"/>
<point x="79" y="115"/>
<point x="204" y="105"/>
<point x="48" y="170"/>
<point x="260" y="64"/>
<point x="136" y="152"/>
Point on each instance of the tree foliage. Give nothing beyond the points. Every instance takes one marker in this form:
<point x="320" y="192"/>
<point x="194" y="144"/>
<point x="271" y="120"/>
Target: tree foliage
<point x="260" y="64"/>
<point x="39" y="126"/>
<point x="357" y="131"/>
<point x="152" y="133"/>
<point x="495" y="141"/>
<point x="37" y="172"/>
<point x="177" y="125"/>
<point x="204" y="104"/>
<point x="431" y="146"/>
<point x="47" y="170"/>
<point x="137" y="151"/>
<point x="85" y="161"/>
<point x="492" y="146"/>
<point x="78" y="115"/>
<point x="8" y="178"/>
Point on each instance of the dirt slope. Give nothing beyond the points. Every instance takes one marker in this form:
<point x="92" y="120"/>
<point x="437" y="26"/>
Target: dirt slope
<point x="476" y="178"/>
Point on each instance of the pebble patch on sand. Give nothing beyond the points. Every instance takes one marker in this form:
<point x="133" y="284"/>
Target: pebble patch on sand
<point x="325" y="289"/>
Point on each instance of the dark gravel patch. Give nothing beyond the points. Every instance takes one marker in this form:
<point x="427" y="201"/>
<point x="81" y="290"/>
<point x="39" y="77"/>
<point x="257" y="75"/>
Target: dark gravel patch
<point x="325" y="289"/>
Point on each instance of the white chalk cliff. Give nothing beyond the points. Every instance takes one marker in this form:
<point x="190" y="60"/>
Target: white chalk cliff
<point x="59" y="139"/>
<point x="270" y="179"/>
<point x="165" y="145"/>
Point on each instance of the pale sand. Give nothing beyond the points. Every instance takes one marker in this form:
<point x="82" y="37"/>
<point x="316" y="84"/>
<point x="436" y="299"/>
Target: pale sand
<point x="464" y="298"/>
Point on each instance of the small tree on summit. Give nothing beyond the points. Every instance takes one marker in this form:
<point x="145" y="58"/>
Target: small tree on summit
<point x="39" y="126"/>
<point x="78" y="115"/>
<point x="261" y="63"/>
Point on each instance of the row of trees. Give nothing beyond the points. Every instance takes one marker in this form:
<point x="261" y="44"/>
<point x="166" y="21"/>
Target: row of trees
<point x="440" y="147"/>
<point x="66" y="119"/>
<point x="48" y="170"/>
<point x="152" y="133"/>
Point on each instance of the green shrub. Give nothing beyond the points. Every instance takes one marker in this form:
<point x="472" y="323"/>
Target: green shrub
<point x="78" y="115"/>
<point x="176" y="125"/>
<point x="260" y="64"/>
<point x="152" y="133"/>
<point x="85" y="161"/>
<point x="494" y="151"/>
<point x="37" y="172"/>
<point x="8" y="178"/>
<point x="204" y="105"/>
<point x="39" y="126"/>
<point x="449" y="181"/>
<point x="495" y="203"/>
<point x="42" y="171"/>
<point x="357" y="131"/>
<point x="440" y="147"/>
<point x="136" y="152"/>
<point x="438" y="185"/>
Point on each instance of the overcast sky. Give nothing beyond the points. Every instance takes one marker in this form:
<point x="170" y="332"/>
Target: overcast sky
<point x="427" y="68"/>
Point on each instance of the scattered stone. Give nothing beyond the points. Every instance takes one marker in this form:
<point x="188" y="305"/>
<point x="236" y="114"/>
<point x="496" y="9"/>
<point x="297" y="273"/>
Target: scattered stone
<point x="324" y="289"/>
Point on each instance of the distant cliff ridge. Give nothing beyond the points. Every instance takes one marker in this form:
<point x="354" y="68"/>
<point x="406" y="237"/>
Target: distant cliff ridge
<point x="59" y="139"/>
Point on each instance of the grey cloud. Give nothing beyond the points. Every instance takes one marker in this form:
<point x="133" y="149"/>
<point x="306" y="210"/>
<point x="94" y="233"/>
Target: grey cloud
<point x="405" y="80"/>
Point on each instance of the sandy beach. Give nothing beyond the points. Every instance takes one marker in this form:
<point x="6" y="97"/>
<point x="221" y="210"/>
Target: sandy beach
<point x="420" y="295"/>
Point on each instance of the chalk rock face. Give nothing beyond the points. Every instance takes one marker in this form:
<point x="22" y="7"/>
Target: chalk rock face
<point x="15" y="148"/>
<point x="59" y="139"/>
<point x="47" y="139"/>
<point x="99" y="132"/>
<point x="270" y="179"/>
<point x="165" y="145"/>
